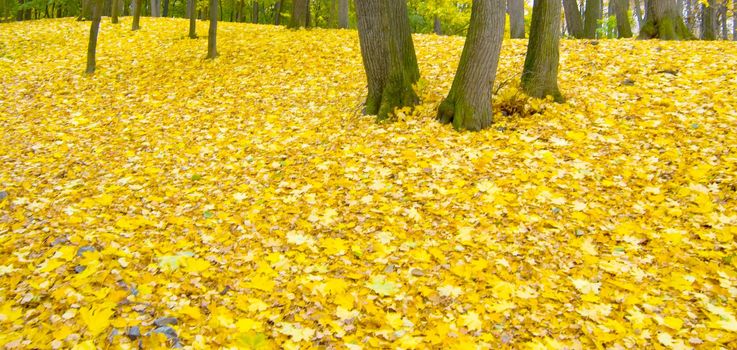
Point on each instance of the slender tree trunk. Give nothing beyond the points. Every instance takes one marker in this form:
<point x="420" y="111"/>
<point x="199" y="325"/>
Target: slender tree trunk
<point x="192" y="19"/>
<point x="638" y="14"/>
<point x="212" y="34"/>
<point x="107" y="7"/>
<point x="137" y="4"/>
<point x="574" y="21"/>
<point x="468" y="105"/>
<point x="155" y="8"/>
<point x="165" y="9"/>
<point x="663" y="21"/>
<point x="540" y="74"/>
<point x="621" y="8"/>
<point x="114" y="11"/>
<point x="343" y="14"/>
<point x="734" y="20"/>
<point x="723" y="12"/>
<point x="388" y="55"/>
<point x="591" y="18"/>
<point x="516" y="10"/>
<point x="437" y="27"/>
<point x="97" y="6"/>
<point x="277" y="12"/>
<point x="254" y="15"/>
<point x="300" y="14"/>
<point x="708" y="21"/>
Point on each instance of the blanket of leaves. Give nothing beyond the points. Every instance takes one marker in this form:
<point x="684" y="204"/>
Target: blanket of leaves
<point x="245" y="202"/>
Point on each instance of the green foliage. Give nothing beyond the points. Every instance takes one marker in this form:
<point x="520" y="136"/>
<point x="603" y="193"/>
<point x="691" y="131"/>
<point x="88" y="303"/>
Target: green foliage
<point x="453" y="15"/>
<point x="607" y="28"/>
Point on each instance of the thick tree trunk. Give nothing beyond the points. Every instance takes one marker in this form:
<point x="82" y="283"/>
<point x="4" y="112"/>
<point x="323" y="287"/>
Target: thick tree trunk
<point x="212" y="51"/>
<point x="591" y="18"/>
<point x="540" y="74"/>
<point x="300" y="14"/>
<point x="708" y="21"/>
<point x="254" y="14"/>
<point x="155" y="8"/>
<point x="192" y="19"/>
<point x="165" y="8"/>
<point x="516" y="10"/>
<point x="114" y="11"/>
<point x="663" y="21"/>
<point x="277" y="12"/>
<point x="638" y="14"/>
<point x="468" y="105"/>
<point x="137" y="4"/>
<point x="388" y="55"/>
<point x="343" y="14"/>
<point x="97" y="6"/>
<point x="574" y="21"/>
<point x="621" y="8"/>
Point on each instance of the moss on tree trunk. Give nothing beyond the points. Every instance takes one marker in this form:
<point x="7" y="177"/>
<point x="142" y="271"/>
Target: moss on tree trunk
<point x="708" y="21"/>
<point x="662" y="21"/>
<point x="591" y="18"/>
<point x="300" y="14"/>
<point x="540" y="73"/>
<point x="468" y="104"/>
<point x="623" y="21"/>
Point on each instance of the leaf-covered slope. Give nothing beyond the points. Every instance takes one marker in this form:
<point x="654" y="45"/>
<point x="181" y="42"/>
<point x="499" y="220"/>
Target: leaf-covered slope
<point x="245" y="201"/>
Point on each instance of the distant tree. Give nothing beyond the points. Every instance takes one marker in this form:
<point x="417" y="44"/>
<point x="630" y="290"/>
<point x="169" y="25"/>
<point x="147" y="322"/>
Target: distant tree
<point x="342" y="13"/>
<point x="94" y="31"/>
<point x="621" y="9"/>
<point x="516" y="10"/>
<point x="254" y="13"/>
<point x="468" y="104"/>
<point x="591" y="18"/>
<point x="277" y="12"/>
<point x="663" y="21"/>
<point x="212" y="51"/>
<point x="574" y="21"/>
<point x="192" y="18"/>
<point x="114" y="11"/>
<point x="137" y="4"/>
<point x="300" y="14"/>
<point x="388" y="55"/>
<point x="734" y="20"/>
<point x="155" y="8"/>
<point x="165" y="8"/>
<point x="638" y="13"/>
<point x="540" y="73"/>
<point x="708" y="21"/>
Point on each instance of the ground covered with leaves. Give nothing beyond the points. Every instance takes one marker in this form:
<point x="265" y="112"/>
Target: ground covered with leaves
<point x="245" y="202"/>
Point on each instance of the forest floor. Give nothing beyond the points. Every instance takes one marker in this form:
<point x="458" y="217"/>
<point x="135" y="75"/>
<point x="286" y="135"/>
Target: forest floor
<point x="246" y="202"/>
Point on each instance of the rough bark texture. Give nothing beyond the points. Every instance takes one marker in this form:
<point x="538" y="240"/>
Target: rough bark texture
<point x="662" y="21"/>
<point x="591" y="18"/>
<point x="468" y="105"/>
<point x="212" y="51"/>
<point x="620" y="8"/>
<point x="638" y="13"/>
<point x="114" y="11"/>
<point x="388" y="55"/>
<point x="137" y="4"/>
<point x="540" y="74"/>
<point x="516" y="10"/>
<point x="94" y="31"/>
<point x="155" y="8"/>
<point x="192" y="19"/>
<point x="708" y="21"/>
<point x="574" y="21"/>
<point x="300" y="14"/>
<point x="277" y="12"/>
<point x="343" y="14"/>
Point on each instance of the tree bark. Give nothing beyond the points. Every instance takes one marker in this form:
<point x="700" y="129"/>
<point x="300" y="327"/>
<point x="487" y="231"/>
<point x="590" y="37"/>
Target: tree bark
<point x="516" y="10"/>
<point x="155" y="8"/>
<point x="540" y="73"/>
<point x="638" y="13"/>
<point x="343" y="14"/>
<point x="734" y="20"/>
<point x="621" y="8"/>
<point x="165" y="8"/>
<point x="708" y="21"/>
<point x="723" y="12"/>
<point x="663" y="21"/>
<point x="254" y="14"/>
<point x="114" y="11"/>
<point x="212" y="51"/>
<point x="137" y="4"/>
<point x="591" y="18"/>
<point x="388" y="55"/>
<point x="192" y="19"/>
<point x="85" y="11"/>
<point x="277" y="12"/>
<point x="437" y="27"/>
<point x="97" y="7"/>
<point x="574" y="21"/>
<point x="468" y="104"/>
<point x="300" y="14"/>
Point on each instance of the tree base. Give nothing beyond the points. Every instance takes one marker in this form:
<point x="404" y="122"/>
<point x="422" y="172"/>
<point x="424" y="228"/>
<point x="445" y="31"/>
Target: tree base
<point x="668" y="28"/>
<point x="394" y="95"/>
<point x="463" y="116"/>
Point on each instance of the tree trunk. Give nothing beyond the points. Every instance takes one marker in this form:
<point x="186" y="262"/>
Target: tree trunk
<point x="85" y="11"/>
<point x="343" y="14"/>
<point x="638" y="14"/>
<point x="212" y="51"/>
<point x="574" y="21"/>
<point x="734" y="20"/>
<point x="540" y="74"/>
<point x="107" y="7"/>
<point x="516" y="10"/>
<point x="708" y="21"/>
<point x="165" y="8"/>
<point x="97" y="6"/>
<point x="300" y="14"/>
<point x="663" y="21"/>
<point x="723" y="12"/>
<point x="155" y="8"/>
<point x="137" y="14"/>
<point x="254" y="15"/>
<point x="388" y="55"/>
<point x="277" y="12"/>
<point x="468" y="105"/>
<point x="621" y="8"/>
<point x="192" y="19"/>
<point x="592" y="17"/>
<point x="114" y="11"/>
<point x="437" y="27"/>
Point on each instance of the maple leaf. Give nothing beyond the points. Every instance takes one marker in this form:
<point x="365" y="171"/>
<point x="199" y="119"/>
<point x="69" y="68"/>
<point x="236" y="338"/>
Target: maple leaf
<point x="97" y="319"/>
<point x="382" y="286"/>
